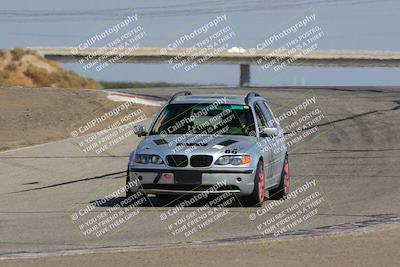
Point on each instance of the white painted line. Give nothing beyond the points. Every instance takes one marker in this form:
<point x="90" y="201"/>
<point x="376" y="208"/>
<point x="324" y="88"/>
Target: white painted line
<point x="138" y="99"/>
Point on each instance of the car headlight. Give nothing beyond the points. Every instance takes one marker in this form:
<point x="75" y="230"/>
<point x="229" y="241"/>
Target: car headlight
<point x="234" y="160"/>
<point x="224" y="160"/>
<point x="146" y="159"/>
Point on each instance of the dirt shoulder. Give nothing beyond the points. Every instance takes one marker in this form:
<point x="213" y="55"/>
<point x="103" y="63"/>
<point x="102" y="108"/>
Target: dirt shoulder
<point x="375" y="247"/>
<point x="35" y="116"/>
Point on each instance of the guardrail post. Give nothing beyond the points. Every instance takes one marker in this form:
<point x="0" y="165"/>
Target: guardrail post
<point x="244" y="75"/>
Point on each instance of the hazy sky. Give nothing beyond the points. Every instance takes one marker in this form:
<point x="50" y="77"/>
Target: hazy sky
<point x="347" y="24"/>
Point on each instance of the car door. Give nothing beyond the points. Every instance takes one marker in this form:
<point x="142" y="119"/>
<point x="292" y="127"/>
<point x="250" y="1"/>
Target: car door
<point x="278" y="153"/>
<point x="264" y="145"/>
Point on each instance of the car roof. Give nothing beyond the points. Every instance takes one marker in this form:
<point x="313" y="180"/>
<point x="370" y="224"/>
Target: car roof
<point x="207" y="99"/>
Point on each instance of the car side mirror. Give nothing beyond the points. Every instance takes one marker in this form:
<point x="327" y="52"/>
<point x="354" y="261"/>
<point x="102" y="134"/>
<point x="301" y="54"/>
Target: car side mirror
<point x="139" y="130"/>
<point x="268" y="132"/>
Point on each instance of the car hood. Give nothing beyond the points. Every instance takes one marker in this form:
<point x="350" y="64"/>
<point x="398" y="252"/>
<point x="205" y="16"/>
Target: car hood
<point x="195" y="144"/>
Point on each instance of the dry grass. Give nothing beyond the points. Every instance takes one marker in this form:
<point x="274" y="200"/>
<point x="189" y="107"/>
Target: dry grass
<point x="19" y="67"/>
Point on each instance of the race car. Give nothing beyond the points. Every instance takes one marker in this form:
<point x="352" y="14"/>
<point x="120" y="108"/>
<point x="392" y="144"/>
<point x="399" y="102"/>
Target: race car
<point x="211" y="144"/>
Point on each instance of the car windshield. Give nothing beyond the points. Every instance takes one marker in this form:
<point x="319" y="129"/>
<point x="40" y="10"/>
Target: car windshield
<point x="223" y="119"/>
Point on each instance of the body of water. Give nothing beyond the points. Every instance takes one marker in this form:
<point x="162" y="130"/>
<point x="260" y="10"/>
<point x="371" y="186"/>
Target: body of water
<point x="346" y="25"/>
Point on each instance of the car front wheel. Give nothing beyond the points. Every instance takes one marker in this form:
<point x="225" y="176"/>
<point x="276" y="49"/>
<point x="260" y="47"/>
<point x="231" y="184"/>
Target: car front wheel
<point x="257" y="197"/>
<point x="129" y="191"/>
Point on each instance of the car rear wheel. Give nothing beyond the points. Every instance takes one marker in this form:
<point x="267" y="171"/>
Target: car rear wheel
<point x="283" y="189"/>
<point x="257" y="197"/>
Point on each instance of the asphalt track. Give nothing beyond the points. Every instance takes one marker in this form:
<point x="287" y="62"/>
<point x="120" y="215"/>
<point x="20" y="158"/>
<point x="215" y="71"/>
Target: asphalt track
<point x="354" y="158"/>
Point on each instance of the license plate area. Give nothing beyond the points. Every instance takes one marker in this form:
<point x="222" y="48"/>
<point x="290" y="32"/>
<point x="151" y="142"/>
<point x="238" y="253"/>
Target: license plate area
<point x="187" y="177"/>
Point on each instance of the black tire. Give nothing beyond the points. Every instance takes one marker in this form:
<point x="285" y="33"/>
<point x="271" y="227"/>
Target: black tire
<point x="253" y="200"/>
<point x="165" y="197"/>
<point x="129" y="192"/>
<point x="279" y="192"/>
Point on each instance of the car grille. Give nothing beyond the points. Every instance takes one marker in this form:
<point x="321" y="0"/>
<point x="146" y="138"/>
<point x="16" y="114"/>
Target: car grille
<point x="201" y="160"/>
<point x="177" y="160"/>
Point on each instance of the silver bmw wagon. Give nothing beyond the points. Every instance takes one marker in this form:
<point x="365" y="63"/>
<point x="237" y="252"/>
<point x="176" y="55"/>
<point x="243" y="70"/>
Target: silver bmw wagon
<point x="211" y="144"/>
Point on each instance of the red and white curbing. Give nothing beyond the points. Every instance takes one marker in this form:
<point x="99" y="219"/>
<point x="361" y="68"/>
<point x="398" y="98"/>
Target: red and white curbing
<point x="139" y="99"/>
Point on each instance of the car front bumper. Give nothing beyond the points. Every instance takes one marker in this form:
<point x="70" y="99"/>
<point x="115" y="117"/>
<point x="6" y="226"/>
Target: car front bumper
<point x="213" y="181"/>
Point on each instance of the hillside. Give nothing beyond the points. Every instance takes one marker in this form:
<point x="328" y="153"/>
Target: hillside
<point x="19" y="67"/>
